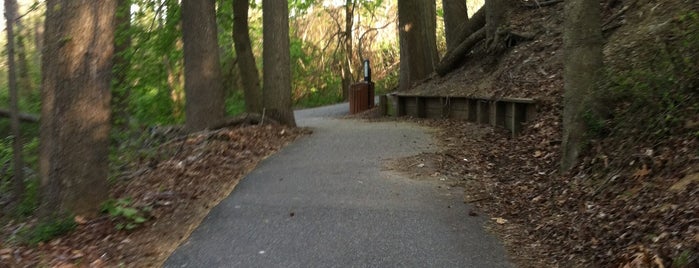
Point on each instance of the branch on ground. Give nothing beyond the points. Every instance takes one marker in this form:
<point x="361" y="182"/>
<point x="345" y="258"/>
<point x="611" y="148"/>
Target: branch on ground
<point x="29" y="118"/>
<point x="540" y="4"/>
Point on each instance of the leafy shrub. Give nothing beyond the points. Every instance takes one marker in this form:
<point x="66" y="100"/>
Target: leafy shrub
<point x="48" y="229"/>
<point x="124" y="214"/>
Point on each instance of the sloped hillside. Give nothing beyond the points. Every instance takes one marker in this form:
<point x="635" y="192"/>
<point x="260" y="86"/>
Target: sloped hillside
<point x="633" y="201"/>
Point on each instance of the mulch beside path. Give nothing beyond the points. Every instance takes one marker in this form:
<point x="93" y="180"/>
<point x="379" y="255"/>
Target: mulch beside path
<point x="174" y="189"/>
<point x="548" y="219"/>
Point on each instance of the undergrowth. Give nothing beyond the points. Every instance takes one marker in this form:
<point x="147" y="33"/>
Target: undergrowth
<point x="657" y="99"/>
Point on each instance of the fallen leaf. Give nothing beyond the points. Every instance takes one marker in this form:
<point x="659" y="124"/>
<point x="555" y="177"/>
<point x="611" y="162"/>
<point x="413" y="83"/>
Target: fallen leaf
<point x="538" y="154"/>
<point x="642" y="172"/>
<point x="500" y="220"/>
<point x="80" y="220"/>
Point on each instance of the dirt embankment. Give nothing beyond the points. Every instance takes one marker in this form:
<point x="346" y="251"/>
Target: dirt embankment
<point x="634" y="200"/>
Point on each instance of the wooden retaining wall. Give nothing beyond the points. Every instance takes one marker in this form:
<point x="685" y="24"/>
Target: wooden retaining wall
<point x="509" y="113"/>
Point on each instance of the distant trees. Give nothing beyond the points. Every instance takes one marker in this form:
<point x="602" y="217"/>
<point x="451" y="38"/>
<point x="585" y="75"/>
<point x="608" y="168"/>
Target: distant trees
<point x="276" y="60"/>
<point x="75" y="114"/>
<point x="582" y="44"/>
<point x="417" y="23"/>
<point x="203" y="83"/>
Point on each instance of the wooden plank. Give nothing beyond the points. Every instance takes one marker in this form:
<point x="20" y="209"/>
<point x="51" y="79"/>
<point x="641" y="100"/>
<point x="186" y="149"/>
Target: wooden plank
<point x="500" y="110"/>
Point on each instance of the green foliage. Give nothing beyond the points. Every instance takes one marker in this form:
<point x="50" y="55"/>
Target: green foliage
<point x="30" y="153"/>
<point x="47" y="229"/>
<point x="155" y="93"/>
<point x="654" y="98"/>
<point x="683" y="260"/>
<point x="126" y="216"/>
<point x="235" y="103"/>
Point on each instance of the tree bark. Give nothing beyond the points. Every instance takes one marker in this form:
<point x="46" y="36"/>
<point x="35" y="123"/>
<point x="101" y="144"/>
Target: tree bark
<point x="582" y="44"/>
<point x="452" y="59"/>
<point x="471" y="26"/>
<point x="418" y="46"/>
<point x="455" y="15"/>
<point x="18" y="165"/>
<point x="24" y="83"/>
<point x="204" y="93"/>
<point x="496" y="16"/>
<point x="246" y="60"/>
<point x="76" y="69"/>
<point x="276" y="60"/>
<point x="347" y="42"/>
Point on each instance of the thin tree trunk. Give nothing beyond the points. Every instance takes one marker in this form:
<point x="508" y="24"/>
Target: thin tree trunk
<point x="18" y="166"/>
<point x="455" y="15"/>
<point x="276" y="59"/>
<point x="582" y="44"/>
<point x="120" y="101"/>
<point x="25" y="82"/>
<point x="76" y="69"/>
<point x="347" y="42"/>
<point x="204" y="93"/>
<point x="249" y="75"/>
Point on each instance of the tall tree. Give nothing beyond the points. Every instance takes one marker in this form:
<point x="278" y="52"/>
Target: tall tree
<point x="203" y="82"/>
<point x="75" y="97"/>
<point x="347" y="40"/>
<point x="18" y="166"/>
<point x="455" y="16"/>
<point x="417" y="21"/>
<point x="582" y="44"/>
<point x="249" y="75"/>
<point x="25" y="81"/>
<point x="276" y="61"/>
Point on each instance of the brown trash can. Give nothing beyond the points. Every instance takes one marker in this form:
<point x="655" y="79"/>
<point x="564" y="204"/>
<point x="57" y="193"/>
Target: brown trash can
<point x="361" y="97"/>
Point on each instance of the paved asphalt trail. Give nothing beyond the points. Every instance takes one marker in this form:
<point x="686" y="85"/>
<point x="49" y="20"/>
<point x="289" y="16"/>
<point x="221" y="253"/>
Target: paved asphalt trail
<point x="325" y="201"/>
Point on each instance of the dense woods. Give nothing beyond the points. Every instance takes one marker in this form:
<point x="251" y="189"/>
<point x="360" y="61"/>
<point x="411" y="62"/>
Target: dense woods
<point x="103" y="78"/>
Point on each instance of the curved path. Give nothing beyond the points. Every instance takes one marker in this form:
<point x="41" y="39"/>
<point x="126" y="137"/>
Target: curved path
<point x="324" y="201"/>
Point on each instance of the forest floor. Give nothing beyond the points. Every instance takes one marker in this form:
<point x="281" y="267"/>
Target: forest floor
<point x="172" y="190"/>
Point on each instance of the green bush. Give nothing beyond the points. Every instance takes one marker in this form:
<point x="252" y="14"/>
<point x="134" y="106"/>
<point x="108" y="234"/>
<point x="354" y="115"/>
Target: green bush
<point x="48" y="229"/>
<point x="124" y="214"/>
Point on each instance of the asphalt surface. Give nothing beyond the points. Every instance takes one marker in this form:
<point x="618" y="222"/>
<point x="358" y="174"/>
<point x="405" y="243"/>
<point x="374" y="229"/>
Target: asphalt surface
<point x="326" y="201"/>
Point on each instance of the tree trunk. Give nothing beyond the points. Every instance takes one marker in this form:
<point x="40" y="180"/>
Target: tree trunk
<point x="25" y="82"/>
<point x="496" y="16"/>
<point x="38" y="40"/>
<point x="452" y="59"/>
<point x="249" y="75"/>
<point x="276" y="60"/>
<point x="18" y="165"/>
<point x="471" y="26"/>
<point x="418" y="46"/>
<point x="582" y="44"/>
<point x="347" y="40"/>
<point x="204" y="93"/>
<point x="455" y="15"/>
<point x="120" y="101"/>
<point x="75" y="114"/>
